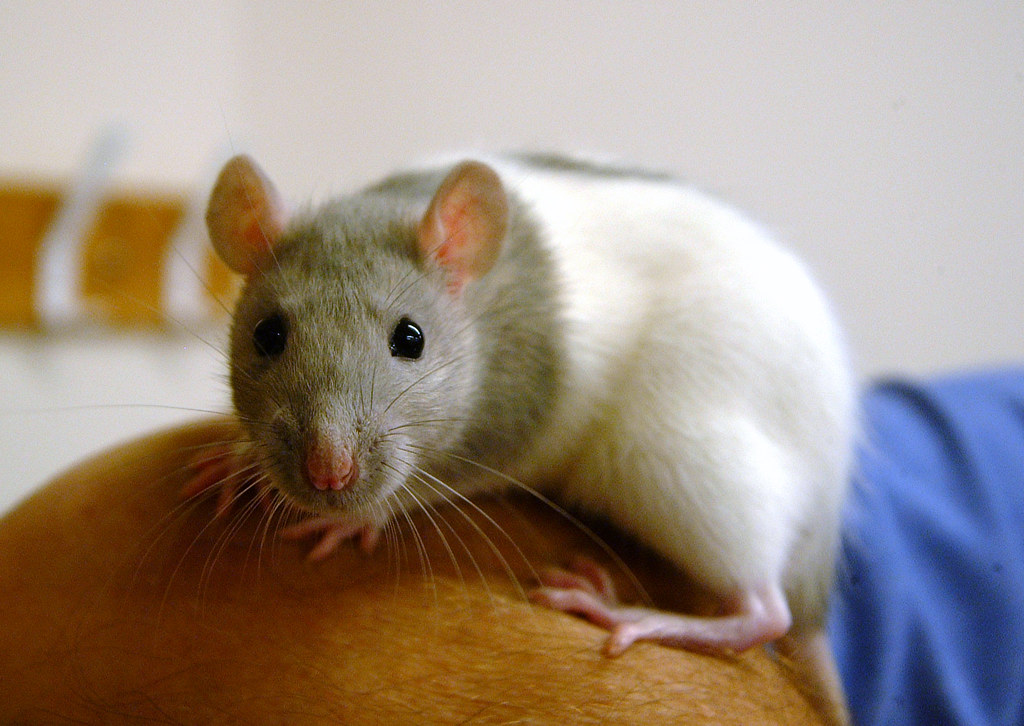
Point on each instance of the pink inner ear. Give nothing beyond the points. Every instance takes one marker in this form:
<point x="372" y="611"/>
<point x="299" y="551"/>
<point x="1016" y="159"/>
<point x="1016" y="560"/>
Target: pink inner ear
<point x="245" y="215"/>
<point x="464" y="227"/>
<point x="259" y="229"/>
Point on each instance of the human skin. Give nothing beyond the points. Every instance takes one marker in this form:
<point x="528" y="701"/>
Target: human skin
<point x="121" y="603"/>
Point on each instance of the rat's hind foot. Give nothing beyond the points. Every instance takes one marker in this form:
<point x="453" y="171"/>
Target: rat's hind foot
<point x="583" y="574"/>
<point x="332" y="532"/>
<point x="752" y="617"/>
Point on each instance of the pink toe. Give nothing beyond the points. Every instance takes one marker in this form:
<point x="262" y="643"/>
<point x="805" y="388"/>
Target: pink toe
<point x="621" y="638"/>
<point x="556" y="577"/>
<point x="369" y="537"/>
<point x="328" y="543"/>
<point x="208" y="473"/>
<point x="597" y="575"/>
<point x="226" y="496"/>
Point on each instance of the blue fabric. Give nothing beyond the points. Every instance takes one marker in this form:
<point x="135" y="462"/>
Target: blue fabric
<point x="928" y="618"/>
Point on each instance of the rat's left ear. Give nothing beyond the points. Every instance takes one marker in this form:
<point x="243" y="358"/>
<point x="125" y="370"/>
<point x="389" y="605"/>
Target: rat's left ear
<point x="245" y="216"/>
<point x="463" y="229"/>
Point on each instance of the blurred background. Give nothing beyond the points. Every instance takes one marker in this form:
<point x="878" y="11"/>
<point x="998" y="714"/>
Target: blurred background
<point x="883" y="141"/>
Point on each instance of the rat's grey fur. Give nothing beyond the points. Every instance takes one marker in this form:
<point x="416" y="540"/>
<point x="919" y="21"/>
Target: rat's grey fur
<point x="343" y="275"/>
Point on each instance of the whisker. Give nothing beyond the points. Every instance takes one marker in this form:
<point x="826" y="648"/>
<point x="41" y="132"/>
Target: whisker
<point x="50" y="410"/>
<point x="431" y="512"/>
<point x="433" y="371"/>
<point x="390" y="543"/>
<point x="206" y="286"/>
<point x="425" y="567"/>
<point x="462" y="543"/>
<point x="562" y="512"/>
<point x="416" y="273"/>
<point x="222" y="541"/>
<point x="262" y="529"/>
<point x="427" y="421"/>
<point x="279" y="512"/>
<point x="509" y="571"/>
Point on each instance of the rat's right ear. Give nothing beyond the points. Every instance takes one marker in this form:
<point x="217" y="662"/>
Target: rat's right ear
<point x="465" y="224"/>
<point x="245" y="215"/>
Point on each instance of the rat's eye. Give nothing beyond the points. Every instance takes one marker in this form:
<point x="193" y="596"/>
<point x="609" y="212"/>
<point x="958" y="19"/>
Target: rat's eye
<point x="407" y="340"/>
<point x="270" y="336"/>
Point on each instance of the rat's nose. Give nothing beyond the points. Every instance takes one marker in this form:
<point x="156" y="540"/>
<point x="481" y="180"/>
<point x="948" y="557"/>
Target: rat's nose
<point x="330" y="467"/>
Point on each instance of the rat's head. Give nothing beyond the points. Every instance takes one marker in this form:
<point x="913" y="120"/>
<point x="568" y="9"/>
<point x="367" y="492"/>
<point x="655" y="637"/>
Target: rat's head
<point x="353" y="358"/>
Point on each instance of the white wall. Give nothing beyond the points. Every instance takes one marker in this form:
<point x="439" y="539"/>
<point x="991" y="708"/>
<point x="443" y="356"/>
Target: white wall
<point x="62" y="400"/>
<point x="884" y="141"/>
<point x="167" y="71"/>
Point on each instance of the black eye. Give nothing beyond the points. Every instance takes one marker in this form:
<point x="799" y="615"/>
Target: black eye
<point x="270" y="336"/>
<point x="407" y="340"/>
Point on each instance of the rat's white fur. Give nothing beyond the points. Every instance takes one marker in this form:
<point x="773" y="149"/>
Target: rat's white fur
<point x="707" y="405"/>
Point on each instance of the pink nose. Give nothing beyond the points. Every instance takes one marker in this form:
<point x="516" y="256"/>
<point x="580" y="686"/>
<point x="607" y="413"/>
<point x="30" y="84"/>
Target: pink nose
<point x="330" y="468"/>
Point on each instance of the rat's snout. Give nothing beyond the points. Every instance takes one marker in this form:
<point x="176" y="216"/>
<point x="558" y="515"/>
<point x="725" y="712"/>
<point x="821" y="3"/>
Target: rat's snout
<point x="330" y="466"/>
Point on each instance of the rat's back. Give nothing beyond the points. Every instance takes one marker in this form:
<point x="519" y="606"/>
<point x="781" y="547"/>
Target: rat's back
<point x="706" y="403"/>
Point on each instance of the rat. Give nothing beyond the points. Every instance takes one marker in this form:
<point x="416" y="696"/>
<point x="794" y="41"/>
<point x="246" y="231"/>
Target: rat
<point x="611" y="337"/>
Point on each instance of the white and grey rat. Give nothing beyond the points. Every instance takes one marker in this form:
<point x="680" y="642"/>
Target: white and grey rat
<point x="613" y="337"/>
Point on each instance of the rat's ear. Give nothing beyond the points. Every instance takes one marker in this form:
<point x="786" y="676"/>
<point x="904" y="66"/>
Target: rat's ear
<point x="245" y="215"/>
<point x="464" y="226"/>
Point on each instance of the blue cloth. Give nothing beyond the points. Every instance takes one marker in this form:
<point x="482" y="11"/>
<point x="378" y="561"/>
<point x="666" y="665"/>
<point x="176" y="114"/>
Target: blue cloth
<point x="928" y="618"/>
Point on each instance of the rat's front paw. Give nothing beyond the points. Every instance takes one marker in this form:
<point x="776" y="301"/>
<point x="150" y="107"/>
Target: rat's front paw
<point x="232" y="472"/>
<point x="332" y="531"/>
<point x="225" y="468"/>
